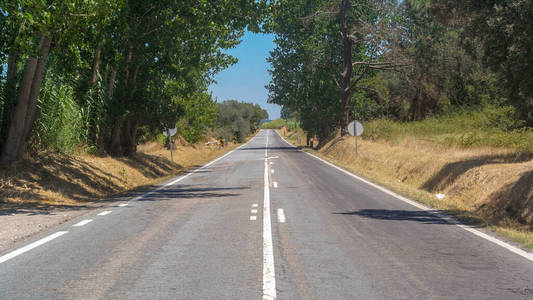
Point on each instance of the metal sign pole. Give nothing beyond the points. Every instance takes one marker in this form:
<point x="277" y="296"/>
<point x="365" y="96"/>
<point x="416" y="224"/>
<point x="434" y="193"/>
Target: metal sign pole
<point x="170" y="142"/>
<point x="356" y="146"/>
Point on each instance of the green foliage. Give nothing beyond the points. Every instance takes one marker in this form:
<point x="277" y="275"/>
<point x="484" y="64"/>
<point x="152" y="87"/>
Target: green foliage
<point x="126" y="67"/>
<point x="200" y="113"/>
<point x="486" y="126"/>
<point x="290" y="124"/>
<point x="501" y="31"/>
<point x="238" y="119"/>
<point x="60" y="126"/>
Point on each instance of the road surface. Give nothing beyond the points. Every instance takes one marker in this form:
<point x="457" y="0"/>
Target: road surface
<point x="265" y="221"/>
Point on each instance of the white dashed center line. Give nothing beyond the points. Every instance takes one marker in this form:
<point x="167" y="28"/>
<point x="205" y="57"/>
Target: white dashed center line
<point x="27" y="248"/>
<point x="253" y="218"/>
<point x="107" y="212"/>
<point x="281" y="215"/>
<point x="254" y="205"/>
<point x="275" y="184"/>
<point x="271" y="170"/>
<point x="84" y="222"/>
<point x="253" y="211"/>
<point x="123" y="204"/>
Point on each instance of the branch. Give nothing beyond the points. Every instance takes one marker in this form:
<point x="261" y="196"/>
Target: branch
<point x="356" y="80"/>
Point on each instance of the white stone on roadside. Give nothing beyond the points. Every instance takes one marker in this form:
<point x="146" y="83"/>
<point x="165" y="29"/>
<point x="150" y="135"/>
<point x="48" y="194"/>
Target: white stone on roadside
<point x="440" y="196"/>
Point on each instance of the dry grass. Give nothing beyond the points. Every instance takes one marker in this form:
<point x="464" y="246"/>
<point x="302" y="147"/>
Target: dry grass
<point x="484" y="186"/>
<point x="58" y="180"/>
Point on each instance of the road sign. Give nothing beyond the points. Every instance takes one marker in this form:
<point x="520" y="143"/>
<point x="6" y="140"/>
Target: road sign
<point x="356" y="129"/>
<point x="169" y="133"/>
<point x="355" y="126"/>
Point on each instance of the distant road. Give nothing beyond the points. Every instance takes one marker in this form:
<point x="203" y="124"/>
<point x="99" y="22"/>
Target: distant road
<point x="264" y="221"/>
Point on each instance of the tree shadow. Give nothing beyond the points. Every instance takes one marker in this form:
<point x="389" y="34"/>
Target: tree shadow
<point x="150" y="166"/>
<point x="450" y="172"/>
<point x="192" y="193"/>
<point x="398" y="215"/>
<point x="280" y="148"/>
<point x="514" y="200"/>
<point x="71" y="177"/>
<point x="33" y="209"/>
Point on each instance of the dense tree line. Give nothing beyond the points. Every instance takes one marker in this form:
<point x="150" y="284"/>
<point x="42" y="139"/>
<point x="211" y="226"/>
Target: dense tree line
<point x="238" y="119"/>
<point x="365" y="59"/>
<point x="114" y="67"/>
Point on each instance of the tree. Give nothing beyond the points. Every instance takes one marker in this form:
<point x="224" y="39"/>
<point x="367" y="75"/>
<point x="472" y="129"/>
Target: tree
<point x="503" y="28"/>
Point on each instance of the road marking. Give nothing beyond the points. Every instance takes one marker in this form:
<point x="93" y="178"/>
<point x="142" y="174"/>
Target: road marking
<point x="84" y="222"/>
<point x="253" y="218"/>
<point x="275" y="184"/>
<point x="271" y="170"/>
<point x="27" y="248"/>
<point x="281" y="215"/>
<point x="254" y="205"/>
<point x="60" y="233"/>
<point x="104" y="213"/>
<point x="253" y="211"/>
<point x="189" y="174"/>
<point x="428" y="209"/>
<point x="269" y="274"/>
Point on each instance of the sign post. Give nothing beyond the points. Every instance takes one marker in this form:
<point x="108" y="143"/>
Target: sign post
<point x="169" y="133"/>
<point x="356" y="129"/>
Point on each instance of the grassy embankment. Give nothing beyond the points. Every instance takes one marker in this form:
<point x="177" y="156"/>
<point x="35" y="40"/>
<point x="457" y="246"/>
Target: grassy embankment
<point x="484" y="170"/>
<point x="59" y="180"/>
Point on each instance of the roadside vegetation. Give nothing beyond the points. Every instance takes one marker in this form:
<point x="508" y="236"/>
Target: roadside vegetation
<point x="442" y="87"/>
<point x="483" y="186"/>
<point x="98" y="76"/>
<point x="57" y="180"/>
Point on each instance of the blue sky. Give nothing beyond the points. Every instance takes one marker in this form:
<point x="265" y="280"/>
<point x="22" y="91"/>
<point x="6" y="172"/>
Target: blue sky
<point x="246" y="80"/>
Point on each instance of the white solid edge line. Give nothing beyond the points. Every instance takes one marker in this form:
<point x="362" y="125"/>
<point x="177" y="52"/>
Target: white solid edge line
<point x="253" y="218"/>
<point x="27" y="248"/>
<point x="281" y="215"/>
<point x="84" y="222"/>
<point x="423" y="207"/>
<point x="104" y="213"/>
<point x="269" y="274"/>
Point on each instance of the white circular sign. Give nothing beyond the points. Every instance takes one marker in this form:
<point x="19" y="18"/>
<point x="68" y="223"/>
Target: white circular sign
<point x="172" y="131"/>
<point x="354" y="127"/>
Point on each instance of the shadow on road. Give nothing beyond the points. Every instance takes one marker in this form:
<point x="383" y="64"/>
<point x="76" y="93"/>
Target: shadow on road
<point x="397" y="215"/>
<point x="192" y="193"/>
<point x="269" y="148"/>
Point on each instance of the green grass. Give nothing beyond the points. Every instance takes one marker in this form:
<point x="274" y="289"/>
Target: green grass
<point x="488" y="126"/>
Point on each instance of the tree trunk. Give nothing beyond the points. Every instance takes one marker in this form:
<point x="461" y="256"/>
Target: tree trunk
<point x="115" y="148"/>
<point x="129" y="145"/>
<point x="31" y="113"/>
<point x="9" y="95"/>
<point x="101" y="132"/>
<point x="16" y="127"/>
<point x="96" y="64"/>
<point x="347" y="68"/>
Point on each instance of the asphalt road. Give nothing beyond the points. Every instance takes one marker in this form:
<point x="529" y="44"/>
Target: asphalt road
<point x="264" y="221"/>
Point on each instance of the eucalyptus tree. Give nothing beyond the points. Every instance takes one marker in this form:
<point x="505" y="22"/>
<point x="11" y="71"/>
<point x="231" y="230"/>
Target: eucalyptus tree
<point x="326" y="49"/>
<point x="167" y="41"/>
<point x="32" y="31"/>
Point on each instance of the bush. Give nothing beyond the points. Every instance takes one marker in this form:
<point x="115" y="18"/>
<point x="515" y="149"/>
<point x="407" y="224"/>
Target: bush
<point x="61" y="122"/>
